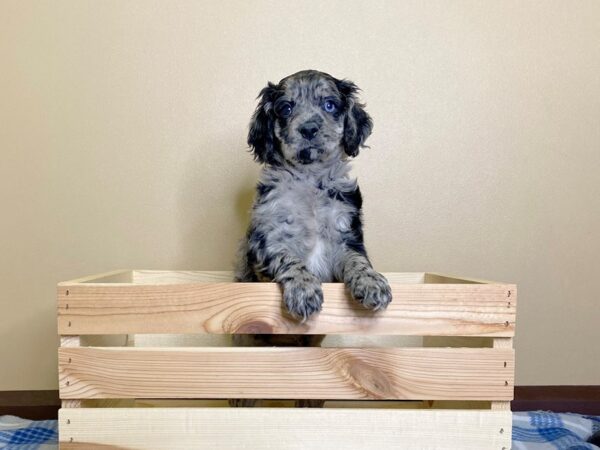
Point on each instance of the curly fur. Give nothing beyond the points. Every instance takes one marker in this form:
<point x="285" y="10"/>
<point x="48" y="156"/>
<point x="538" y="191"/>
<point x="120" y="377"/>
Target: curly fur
<point x="306" y="225"/>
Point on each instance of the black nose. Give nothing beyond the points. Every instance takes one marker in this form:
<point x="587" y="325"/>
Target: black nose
<point x="309" y="130"/>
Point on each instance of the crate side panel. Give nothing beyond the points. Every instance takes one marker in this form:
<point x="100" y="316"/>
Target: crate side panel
<point x="292" y="372"/>
<point x="197" y="276"/>
<point x="282" y="429"/>
<point x="224" y="308"/>
<point x="181" y="276"/>
<point x="115" y="276"/>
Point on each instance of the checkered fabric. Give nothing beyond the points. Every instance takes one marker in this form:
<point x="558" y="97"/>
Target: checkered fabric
<point x="22" y="434"/>
<point x="538" y="430"/>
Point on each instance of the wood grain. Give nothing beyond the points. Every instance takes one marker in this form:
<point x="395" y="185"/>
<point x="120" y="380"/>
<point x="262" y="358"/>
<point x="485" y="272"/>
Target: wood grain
<point x="292" y="372"/>
<point x="114" y="276"/>
<point x="452" y="279"/>
<point x="500" y="406"/>
<point x="282" y="429"/>
<point x="70" y="341"/>
<point x="180" y="276"/>
<point x="199" y="276"/>
<point x="170" y="306"/>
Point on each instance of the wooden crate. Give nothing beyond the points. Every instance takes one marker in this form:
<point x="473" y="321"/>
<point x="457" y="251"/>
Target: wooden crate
<point x="172" y="397"/>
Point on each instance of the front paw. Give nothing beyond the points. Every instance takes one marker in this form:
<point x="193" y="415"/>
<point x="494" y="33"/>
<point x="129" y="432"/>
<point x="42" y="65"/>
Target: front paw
<point x="371" y="290"/>
<point x="302" y="296"/>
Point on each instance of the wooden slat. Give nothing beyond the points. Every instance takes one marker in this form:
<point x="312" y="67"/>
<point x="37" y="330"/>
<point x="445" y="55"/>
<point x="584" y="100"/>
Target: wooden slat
<point x="500" y="406"/>
<point x="292" y="372"/>
<point x="72" y="342"/>
<point x="181" y="276"/>
<point x="114" y="276"/>
<point x="282" y="429"/>
<point x="223" y="308"/>
<point x="452" y="279"/>
<point x="502" y="342"/>
<point x="199" y="276"/>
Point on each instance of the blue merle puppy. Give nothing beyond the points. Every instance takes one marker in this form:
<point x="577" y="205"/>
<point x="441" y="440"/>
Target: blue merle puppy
<point x="306" y="225"/>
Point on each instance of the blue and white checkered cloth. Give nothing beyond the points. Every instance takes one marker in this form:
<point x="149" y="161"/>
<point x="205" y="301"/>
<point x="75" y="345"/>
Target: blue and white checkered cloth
<point x="538" y="430"/>
<point x="531" y="431"/>
<point x="22" y="434"/>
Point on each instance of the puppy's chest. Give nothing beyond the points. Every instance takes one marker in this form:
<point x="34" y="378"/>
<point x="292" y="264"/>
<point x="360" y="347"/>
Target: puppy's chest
<point x="315" y="224"/>
<point x="316" y="212"/>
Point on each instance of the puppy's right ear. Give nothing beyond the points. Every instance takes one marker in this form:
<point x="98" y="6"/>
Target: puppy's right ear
<point x="261" y="137"/>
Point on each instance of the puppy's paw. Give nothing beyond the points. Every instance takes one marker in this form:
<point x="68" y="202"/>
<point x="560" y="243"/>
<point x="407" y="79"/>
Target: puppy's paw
<point x="371" y="290"/>
<point x="302" y="296"/>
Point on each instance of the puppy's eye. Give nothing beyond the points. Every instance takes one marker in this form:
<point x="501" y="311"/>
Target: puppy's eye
<point x="284" y="110"/>
<point x="329" y="106"/>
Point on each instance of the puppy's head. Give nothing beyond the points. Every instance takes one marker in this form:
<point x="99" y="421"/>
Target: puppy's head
<point x="308" y="118"/>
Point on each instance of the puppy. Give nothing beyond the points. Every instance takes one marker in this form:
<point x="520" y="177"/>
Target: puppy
<point x="306" y="225"/>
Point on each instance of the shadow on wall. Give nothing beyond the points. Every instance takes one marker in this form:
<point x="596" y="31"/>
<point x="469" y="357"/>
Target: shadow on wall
<point x="216" y="193"/>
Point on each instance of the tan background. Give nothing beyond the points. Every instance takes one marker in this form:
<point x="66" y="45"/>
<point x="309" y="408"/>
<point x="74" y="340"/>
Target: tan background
<point x="122" y="132"/>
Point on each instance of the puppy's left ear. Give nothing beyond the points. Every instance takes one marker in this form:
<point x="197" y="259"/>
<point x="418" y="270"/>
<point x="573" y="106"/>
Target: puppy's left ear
<point x="357" y="123"/>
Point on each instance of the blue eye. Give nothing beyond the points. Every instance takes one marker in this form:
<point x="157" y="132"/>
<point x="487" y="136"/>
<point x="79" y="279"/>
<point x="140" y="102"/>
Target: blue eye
<point x="329" y="106"/>
<point x="285" y="110"/>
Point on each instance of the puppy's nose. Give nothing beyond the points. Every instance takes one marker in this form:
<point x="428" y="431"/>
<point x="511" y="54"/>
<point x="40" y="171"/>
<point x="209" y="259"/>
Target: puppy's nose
<point x="309" y="130"/>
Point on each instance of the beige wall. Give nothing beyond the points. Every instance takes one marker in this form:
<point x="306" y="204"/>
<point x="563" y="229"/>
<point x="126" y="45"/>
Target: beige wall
<point x="122" y="138"/>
